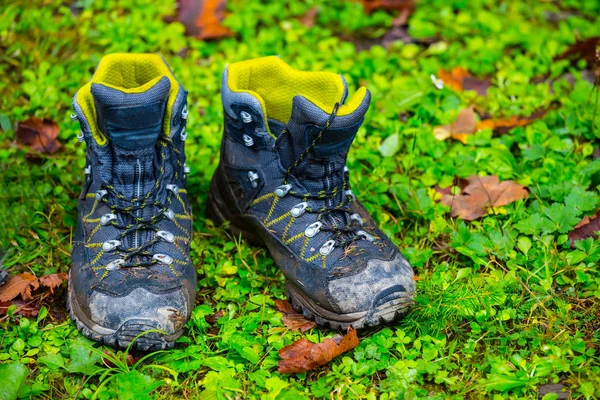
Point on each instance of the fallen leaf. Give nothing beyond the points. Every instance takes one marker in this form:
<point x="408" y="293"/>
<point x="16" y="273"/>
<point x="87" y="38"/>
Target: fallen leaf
<point x="502" y="126"/>
<point x="303" y="355"/>
<point x="39" y="135"/>
<point x="54" y="280"/>
<point x="460" y="79"/>
<point x="460" y="129"/>
<point x="203" y="18"/>
<point x="407" y="6"/>
<point x="481" y="193"/>
<point x="560" y="391"/>
<point x="292" y="319"/>
<point x="18" y="285"/>
<point x="310" y="17"/>
<point x="212" y="319"/>
<point x="24" y="308"/>
<point x="585" y="48"/>
<point x="586" y="228"/>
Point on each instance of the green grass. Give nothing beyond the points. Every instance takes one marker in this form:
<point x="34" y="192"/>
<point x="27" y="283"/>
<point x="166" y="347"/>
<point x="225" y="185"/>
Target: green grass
<point x="504" y="306"/>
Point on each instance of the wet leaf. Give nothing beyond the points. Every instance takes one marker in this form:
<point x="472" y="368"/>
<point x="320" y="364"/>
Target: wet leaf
<point x="19" y="285"/>
<point x="212" y="319"/>
<point x="303" y="355"/>
<point x="54" y="280"/>
<point x="292" y="319"/>
<point x="504" y="125"/>
<point x="587" y="227"/>
<point x="203" y="18"/>
<point x="585" y="48"/>
<point x="460" y="129"/>
<point x="39" y="135"/>
<point x="460" y="79"/>
<point x="481" y="193"/>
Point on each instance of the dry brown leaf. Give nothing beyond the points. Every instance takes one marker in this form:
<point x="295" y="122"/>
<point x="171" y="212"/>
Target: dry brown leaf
<point x="19" y="285"/>
<point x="203" y="18"/>
<point x="481" y="193"/>
<point x="504" y="125"/>
<point x="54" y="280"/>
<point x="310" y="17"/>
<point x="460" y="79"/>
<point x="39" y="135"/>
<point x="586" y="228"/>
<point x="303" y="355"/>
<point x="292" y="319"/>
<point x="460" y="129"/>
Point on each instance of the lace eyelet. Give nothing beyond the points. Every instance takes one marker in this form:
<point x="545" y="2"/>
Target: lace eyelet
<point x="170" y="214"/>
<point x="313" y="229"/>
<point x="246" y="117"/>
<point x="166" y="236"/>
<point x="327" y="247"/>
<point x="107" y="219"/>
<point x="116" y="264"/>
<point x="110" y="245"/>
<point x="282" y="190"/>
<point x="366" y="235"/>
<point x="100" y="194"/>
<point x="299" y="209"/>
<point x="356" y="217"/>
<point x="248" y="141"/>
<point x="183" y="135"/>
<point x="163" y="258"/>
<point x="350" y="194"/>
<point x="173" y="188"/>
<point x="253" y="176"/>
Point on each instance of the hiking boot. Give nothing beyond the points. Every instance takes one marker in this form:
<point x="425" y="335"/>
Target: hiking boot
<point x="131" y="270"/>
<point x="283" y="181"/>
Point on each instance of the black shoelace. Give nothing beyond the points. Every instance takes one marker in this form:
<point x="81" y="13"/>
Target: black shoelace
<point x="347" y="232"/>
<point x="140" y="256"/>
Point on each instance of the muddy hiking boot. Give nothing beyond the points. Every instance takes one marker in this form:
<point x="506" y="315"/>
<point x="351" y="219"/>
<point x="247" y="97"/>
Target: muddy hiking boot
<point x="282" y="181"/>
<point x="131" y="270"/>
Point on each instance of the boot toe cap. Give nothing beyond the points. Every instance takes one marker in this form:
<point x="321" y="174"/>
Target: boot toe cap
<point x="383" y="289"/>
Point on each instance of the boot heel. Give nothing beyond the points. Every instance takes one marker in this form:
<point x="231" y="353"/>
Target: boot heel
<point x="218" y="210"/>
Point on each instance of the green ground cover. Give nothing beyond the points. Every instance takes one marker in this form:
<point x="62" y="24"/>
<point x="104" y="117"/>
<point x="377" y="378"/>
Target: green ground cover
<point x="505" y="306"/>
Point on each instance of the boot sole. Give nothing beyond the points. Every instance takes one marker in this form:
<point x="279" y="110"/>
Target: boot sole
<point x="382" y="311"/>
<point x="122" y="337"/>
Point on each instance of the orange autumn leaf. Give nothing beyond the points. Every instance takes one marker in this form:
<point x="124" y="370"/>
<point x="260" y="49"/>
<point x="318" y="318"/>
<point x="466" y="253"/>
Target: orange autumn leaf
<point x="303" y="355"/>
<point x="292" y="319"/>
<point x="54" y="280"/>
<point x="203" y="19"/>
<point x="460" y="79"/>
<point x="460" y="129"/>
<point x="481" y="193"/>
<point x="505" y="125"/>
<point x="19" y="285"/>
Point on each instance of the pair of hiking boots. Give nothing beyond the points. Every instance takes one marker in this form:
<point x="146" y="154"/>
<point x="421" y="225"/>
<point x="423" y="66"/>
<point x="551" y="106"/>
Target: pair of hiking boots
<point x="282" y="182"/>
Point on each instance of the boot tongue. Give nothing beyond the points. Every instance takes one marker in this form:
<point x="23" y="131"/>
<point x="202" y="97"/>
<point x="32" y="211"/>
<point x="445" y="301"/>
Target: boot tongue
<point x="132" y="118"/>
<point x="308" y="120"/>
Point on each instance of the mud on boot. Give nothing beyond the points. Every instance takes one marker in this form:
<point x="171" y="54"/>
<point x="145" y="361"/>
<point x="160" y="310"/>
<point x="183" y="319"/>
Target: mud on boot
<point x="131" y="270"/>
<point x="283" y="181"/>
